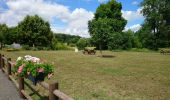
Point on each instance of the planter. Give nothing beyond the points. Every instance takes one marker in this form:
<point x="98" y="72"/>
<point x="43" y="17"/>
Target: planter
<point x="39" y="78"/>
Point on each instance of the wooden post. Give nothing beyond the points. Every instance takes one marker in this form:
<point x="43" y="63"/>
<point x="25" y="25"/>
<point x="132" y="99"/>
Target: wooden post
<point x="0" y="61"/>
<point x="21" y="86"/>
<point x="9" y="67"/>
<point x="53" y="87"/>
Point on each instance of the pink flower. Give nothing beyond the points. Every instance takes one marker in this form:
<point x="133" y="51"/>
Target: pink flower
<point x="20" y="68"/>
<point x="40" y="70"/>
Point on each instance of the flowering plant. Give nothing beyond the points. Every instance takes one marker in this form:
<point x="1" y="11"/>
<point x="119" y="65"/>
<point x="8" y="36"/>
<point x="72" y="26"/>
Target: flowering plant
<point x="29" y="65"/>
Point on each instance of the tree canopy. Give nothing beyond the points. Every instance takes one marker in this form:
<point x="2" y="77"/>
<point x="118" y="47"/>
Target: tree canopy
<point x="157" y="19"/>
<point x="108" y="21"/>
<point x="33" y="30"/>
<point x="3" y="30"/>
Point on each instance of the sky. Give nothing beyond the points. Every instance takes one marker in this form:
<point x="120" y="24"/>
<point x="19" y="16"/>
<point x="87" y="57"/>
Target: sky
<point x="66" y="16"/>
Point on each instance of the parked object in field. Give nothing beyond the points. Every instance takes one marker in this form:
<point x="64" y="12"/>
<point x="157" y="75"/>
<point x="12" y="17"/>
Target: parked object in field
<point x="89" y="50"/>
<point x="165" y="51"/>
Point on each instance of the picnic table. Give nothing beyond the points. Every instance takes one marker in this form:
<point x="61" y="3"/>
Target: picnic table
<point x="165" y="51"/>
<point x="89" y="50"/>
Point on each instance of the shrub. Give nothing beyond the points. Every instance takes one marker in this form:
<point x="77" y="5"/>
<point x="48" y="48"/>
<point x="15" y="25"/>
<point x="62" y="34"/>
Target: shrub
<point x="26" y="47"/>
<point x="61" y="46"/>
<point x="82" y="43"/>
<point x="72" y="45"/>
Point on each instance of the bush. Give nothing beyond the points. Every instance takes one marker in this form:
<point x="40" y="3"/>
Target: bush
<point x="120" y="41"/>
<point x="72" y="45"/>
<point x="61" y="46"/>
<point x="82" y="43"/>
<point x="26" y="47"/>
<point x="40" y="47"/>
<point x="140" y="49"/>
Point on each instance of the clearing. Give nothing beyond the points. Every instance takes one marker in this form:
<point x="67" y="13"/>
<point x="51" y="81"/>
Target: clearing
<point x="128" y="75"/>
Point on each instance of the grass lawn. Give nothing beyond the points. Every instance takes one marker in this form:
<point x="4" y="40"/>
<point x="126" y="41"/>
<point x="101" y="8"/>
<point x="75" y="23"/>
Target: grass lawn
<point x="127" y="76"/>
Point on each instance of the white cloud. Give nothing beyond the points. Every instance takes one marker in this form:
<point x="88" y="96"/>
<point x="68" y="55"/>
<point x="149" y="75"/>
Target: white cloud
<point x="78" y="23"/>
<point x="133" y="15"/>
<point x="76" y="20"/>
<point x="133" y="28"/>
<point x="102" y="1"/>
<point x="135" y="3"/>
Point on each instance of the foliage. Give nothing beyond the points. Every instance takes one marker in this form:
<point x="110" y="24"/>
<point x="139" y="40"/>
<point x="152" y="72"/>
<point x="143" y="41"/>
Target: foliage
<point x="157" y="17"/>
<point x="26" y="47"/>
<point x="136" y="42"/>
<point x="33" y="30"/>
<point x="146" y="37"/>
<point x="66" y="38"/>
<point x="61" y="46"/>
<point x="3" y="31"/>
<point x="82" y="43"/>
<point x="31" y="65"/>
<point x="11" y="36"/>
<point x="121" y="40"/>
<point x="108" y="22"/>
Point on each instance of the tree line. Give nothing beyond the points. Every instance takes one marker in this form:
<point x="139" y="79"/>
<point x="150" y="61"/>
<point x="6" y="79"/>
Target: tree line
<point x="33" y="31"/>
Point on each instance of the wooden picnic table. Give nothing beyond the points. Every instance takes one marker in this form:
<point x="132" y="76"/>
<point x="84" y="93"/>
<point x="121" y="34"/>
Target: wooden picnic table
<point x="90" y="51"/>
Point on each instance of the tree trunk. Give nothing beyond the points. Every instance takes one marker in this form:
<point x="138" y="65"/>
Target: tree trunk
<point x="100" y="47"/>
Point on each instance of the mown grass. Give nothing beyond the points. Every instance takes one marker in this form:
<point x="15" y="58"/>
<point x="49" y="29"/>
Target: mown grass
<point x="127" y="76"/>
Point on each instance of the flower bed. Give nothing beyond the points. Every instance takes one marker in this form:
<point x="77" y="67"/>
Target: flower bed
<point x="33" y="68"/>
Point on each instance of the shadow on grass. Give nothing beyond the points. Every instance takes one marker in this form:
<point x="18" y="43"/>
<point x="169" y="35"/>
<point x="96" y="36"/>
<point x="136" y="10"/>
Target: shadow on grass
<point x="106" y="56"/>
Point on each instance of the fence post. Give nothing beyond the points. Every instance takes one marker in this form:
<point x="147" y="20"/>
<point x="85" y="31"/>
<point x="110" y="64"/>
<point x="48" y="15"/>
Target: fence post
<point x="0" y="61"/>
<point x="9" y="67"/>
<point x="53" y="87"/>
<point x="21" y="86"/>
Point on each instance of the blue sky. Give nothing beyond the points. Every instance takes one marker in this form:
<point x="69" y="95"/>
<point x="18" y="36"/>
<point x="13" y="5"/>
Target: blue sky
<point x="66" y="16"/>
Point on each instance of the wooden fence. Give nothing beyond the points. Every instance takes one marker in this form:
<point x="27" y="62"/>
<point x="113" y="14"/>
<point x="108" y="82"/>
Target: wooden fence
<point x="54" y="93"/>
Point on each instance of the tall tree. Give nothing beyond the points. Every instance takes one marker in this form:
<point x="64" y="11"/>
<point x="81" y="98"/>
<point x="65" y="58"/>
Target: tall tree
<point x="108" y="21"/>
<point x="157" y="16"/>
<point x="3" y="31"/>
<point x="11" y="36"/>
<point x="33" y="30"/>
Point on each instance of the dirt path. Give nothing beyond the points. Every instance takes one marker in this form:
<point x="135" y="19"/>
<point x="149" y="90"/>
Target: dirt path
<point x="7" y="89"/>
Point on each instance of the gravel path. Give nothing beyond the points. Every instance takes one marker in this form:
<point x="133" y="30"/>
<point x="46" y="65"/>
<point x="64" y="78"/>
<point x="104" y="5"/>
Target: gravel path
<point x="8" y="91"/>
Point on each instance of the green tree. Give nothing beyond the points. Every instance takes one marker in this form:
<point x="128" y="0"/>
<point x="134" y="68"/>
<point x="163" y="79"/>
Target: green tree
<point x="146" y="37"/>
<point x="66" y="38"/>
<point x="108" y="21"/>
<point x="157" y="17"/>
<point x="82" y="43"/>
<point x="33" y="30"/>
<point x="11" y="36"/>
<point x="3" y="31"/>
<point x="122" y="40"/>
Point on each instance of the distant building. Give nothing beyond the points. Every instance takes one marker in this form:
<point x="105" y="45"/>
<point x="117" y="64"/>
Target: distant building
<point x="16" y="46"/>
